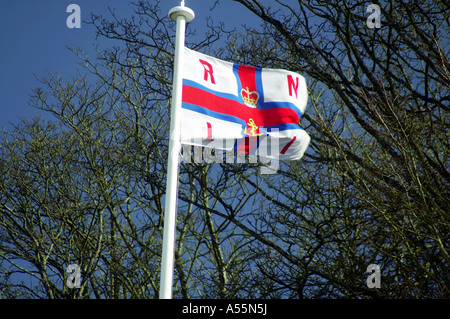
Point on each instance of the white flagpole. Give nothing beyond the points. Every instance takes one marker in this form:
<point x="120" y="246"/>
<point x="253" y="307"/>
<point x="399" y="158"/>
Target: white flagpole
<point x="181" y="15"/>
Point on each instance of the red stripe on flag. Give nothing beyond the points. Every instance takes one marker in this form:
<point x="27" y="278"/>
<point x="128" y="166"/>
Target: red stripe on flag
<point x="285" y="148"/>
<point x="212" y="102"/>
<point x="247" y="77"/>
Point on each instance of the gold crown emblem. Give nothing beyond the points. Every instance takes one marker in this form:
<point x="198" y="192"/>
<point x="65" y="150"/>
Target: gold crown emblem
<point x="250" y="98"/>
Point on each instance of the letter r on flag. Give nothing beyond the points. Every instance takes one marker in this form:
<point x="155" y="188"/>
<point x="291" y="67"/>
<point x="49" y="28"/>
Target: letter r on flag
<point x="208" y="70"/>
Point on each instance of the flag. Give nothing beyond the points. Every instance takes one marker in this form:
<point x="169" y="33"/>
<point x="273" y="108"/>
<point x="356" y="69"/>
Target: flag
<point x="242" y="108"/>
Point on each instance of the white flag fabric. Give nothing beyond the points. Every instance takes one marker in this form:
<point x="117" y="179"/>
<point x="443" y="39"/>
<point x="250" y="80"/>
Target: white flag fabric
<point x="242" y="108"/>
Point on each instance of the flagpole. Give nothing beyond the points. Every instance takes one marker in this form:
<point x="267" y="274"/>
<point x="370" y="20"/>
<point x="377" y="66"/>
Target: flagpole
<point x="181" y="15"/>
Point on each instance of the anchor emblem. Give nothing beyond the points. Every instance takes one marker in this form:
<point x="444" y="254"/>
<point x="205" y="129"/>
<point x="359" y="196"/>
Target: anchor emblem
<point x="254" y="130"/>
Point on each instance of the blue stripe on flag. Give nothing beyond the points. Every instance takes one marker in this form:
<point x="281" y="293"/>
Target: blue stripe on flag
<point x="259" y="88"/>
<point x="238" y="82"/>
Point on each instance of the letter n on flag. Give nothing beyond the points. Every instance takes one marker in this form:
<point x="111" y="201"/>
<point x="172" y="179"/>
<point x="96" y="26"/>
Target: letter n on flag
<point x="236" y="107"/>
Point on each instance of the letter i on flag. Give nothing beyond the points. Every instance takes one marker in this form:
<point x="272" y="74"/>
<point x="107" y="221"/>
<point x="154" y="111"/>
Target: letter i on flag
<point x="236" y="107"/>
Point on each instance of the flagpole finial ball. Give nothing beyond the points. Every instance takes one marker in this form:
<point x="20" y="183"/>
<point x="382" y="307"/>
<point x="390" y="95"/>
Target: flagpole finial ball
<point x="175" y="12"/>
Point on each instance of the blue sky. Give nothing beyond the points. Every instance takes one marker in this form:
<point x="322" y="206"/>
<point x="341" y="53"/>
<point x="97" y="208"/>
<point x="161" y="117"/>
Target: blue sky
<point x="34" y="39"/>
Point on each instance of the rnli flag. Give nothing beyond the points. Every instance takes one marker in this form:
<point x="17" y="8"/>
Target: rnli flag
<point x="242" y="108"/>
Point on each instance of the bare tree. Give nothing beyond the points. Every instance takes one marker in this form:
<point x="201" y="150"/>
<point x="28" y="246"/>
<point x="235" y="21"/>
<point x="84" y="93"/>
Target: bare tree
<point x="378" y="116"/>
